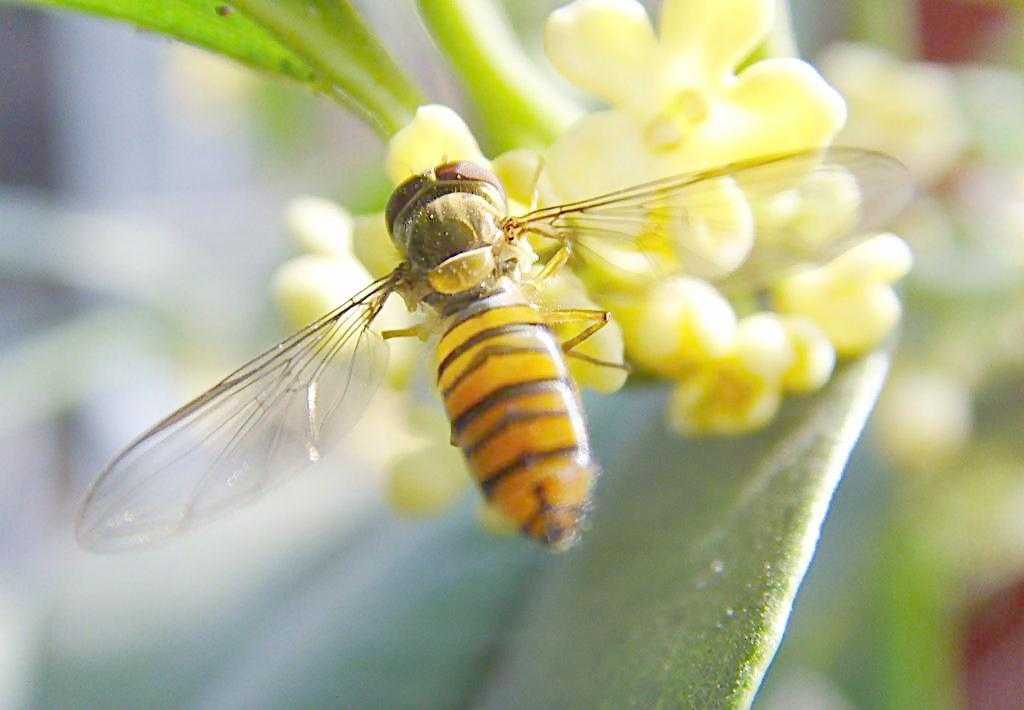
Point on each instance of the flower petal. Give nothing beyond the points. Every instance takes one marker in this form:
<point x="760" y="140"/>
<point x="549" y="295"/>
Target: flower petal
<point x="715" y="35"/>
<point x="372" y="245"/>
<point x="782" y="106"/>
<point x="717" y="232"/>
<point x="814" y="358"/>
<point x="724" y="398"/>
<point x="775" y="106"/>
<point x="763" y="346"/>
<point x="310" y="285"/>
<point x="320" y="225"/>
<point x="435" y="135"/>
<point x="519" y="171"/>
<point x="908" y="110"/>
<point x="602" y="152"/>
<point x="850" y="298"/>
<point x="677" y="325"/>
<point x="603" y="46"/>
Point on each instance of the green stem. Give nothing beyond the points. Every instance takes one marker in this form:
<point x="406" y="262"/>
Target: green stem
<point x="355" y="69"/>
<point x="517" y="105"/>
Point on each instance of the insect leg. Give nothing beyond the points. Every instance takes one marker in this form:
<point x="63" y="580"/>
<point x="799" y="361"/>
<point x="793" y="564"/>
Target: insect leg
<point x="595" y="320"/>
<point x="415" y="331"/>
<point x="559" y="259"/>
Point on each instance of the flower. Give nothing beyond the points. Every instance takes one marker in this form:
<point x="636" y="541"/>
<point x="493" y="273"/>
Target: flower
<point x="435" y="135"/>
<point x="851" y="298"/>
<point x="678" y="103"/>
<point x="814" y="357"/>
<point x="430" y="478"/>
<point x="924" y="419"/>
<point x="742" y="389"/>
<point x="676" y="325"/>
<point x="906" y="109"/>
<point x="309" y="285"/>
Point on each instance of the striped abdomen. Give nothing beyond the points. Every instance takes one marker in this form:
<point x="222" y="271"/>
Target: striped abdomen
<point x="516" y="415"/>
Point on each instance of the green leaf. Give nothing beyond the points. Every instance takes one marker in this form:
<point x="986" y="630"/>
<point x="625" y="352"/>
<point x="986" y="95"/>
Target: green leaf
<point x="677" y="596"/>
<point x="322" y="43"/>
<point x="197" y="22"/>
<point x="680" y="595"/>
<point x="518" y="106"/>
<point x="355" y="68"/>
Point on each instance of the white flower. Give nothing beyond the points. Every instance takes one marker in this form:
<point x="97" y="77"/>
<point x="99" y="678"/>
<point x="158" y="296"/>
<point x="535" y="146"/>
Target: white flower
<point x="923" y="419"/>
<point x="906" y="109"/>
<point x="851" y="298"/>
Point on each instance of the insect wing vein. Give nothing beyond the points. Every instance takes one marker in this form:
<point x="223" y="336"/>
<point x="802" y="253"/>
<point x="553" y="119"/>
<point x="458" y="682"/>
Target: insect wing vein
<point x="800" y="208"/>
<point x="267" y="420"/>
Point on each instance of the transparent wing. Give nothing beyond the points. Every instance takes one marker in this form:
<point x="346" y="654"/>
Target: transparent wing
<point x="257" y="427"/>
<point x="742" y="223"/>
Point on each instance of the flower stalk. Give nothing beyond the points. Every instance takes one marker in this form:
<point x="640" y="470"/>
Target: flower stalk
<point x="517" y="105"/>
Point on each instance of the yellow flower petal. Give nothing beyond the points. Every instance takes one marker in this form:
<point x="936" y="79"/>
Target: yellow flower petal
<point x="723" y="398"/>
<point x="435" y="135"/>
<point x="884" y="258"/>
<point x="783" y="105"/>
<point x="823" y="208"/>
<point x="856" y="321"/>
<point x="814" y="358"/>
<point x="372" y="245"/>
<point x="762" y="345"/>
<point x="923" y="419"/>
<point x="310" y="285"/>
<point x="850" y="298"/>
<point x="320" y="225"/>
<point x="677" y="325"/>
<point x="603" y="46"/>
<point x="717" y="232"/>
<point x="714" y="36"/>
<point x="428" y="481"/>
<point x="602" y="152"/>
<point x="520" y="174"/>
<point x="906" y="109"/>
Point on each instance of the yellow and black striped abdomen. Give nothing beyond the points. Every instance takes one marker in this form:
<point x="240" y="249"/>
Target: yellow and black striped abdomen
<point x="516" y="415"/>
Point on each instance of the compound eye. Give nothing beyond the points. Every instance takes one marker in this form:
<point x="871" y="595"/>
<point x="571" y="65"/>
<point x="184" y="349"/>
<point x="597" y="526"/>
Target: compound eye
<point x="467" y="170"/>
<point x="402" y="196"/>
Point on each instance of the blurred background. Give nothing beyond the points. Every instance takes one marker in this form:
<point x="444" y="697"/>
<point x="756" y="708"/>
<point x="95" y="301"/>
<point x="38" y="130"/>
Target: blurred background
<point x="143" y="186"/>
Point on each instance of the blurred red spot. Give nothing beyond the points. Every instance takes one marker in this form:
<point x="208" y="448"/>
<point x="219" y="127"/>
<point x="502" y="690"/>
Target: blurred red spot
<point x="959" y="30"/>
<point x="993" y="652"/>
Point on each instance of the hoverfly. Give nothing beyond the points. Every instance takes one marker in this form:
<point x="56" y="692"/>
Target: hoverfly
<point x="500" y="368"/>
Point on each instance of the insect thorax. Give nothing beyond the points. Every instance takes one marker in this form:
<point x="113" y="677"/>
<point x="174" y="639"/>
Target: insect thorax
<point x="446" y="223"/>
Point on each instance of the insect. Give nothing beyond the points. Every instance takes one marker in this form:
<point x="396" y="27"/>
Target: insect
<point x="500" y="368"/>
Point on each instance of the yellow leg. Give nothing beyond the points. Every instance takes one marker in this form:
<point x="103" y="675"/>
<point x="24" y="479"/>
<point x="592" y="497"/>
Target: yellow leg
<point x="556" y="262"/>
<point x="535" y="194"/>
<point x="596" y="319"/>
<point x="415" y="331"/>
